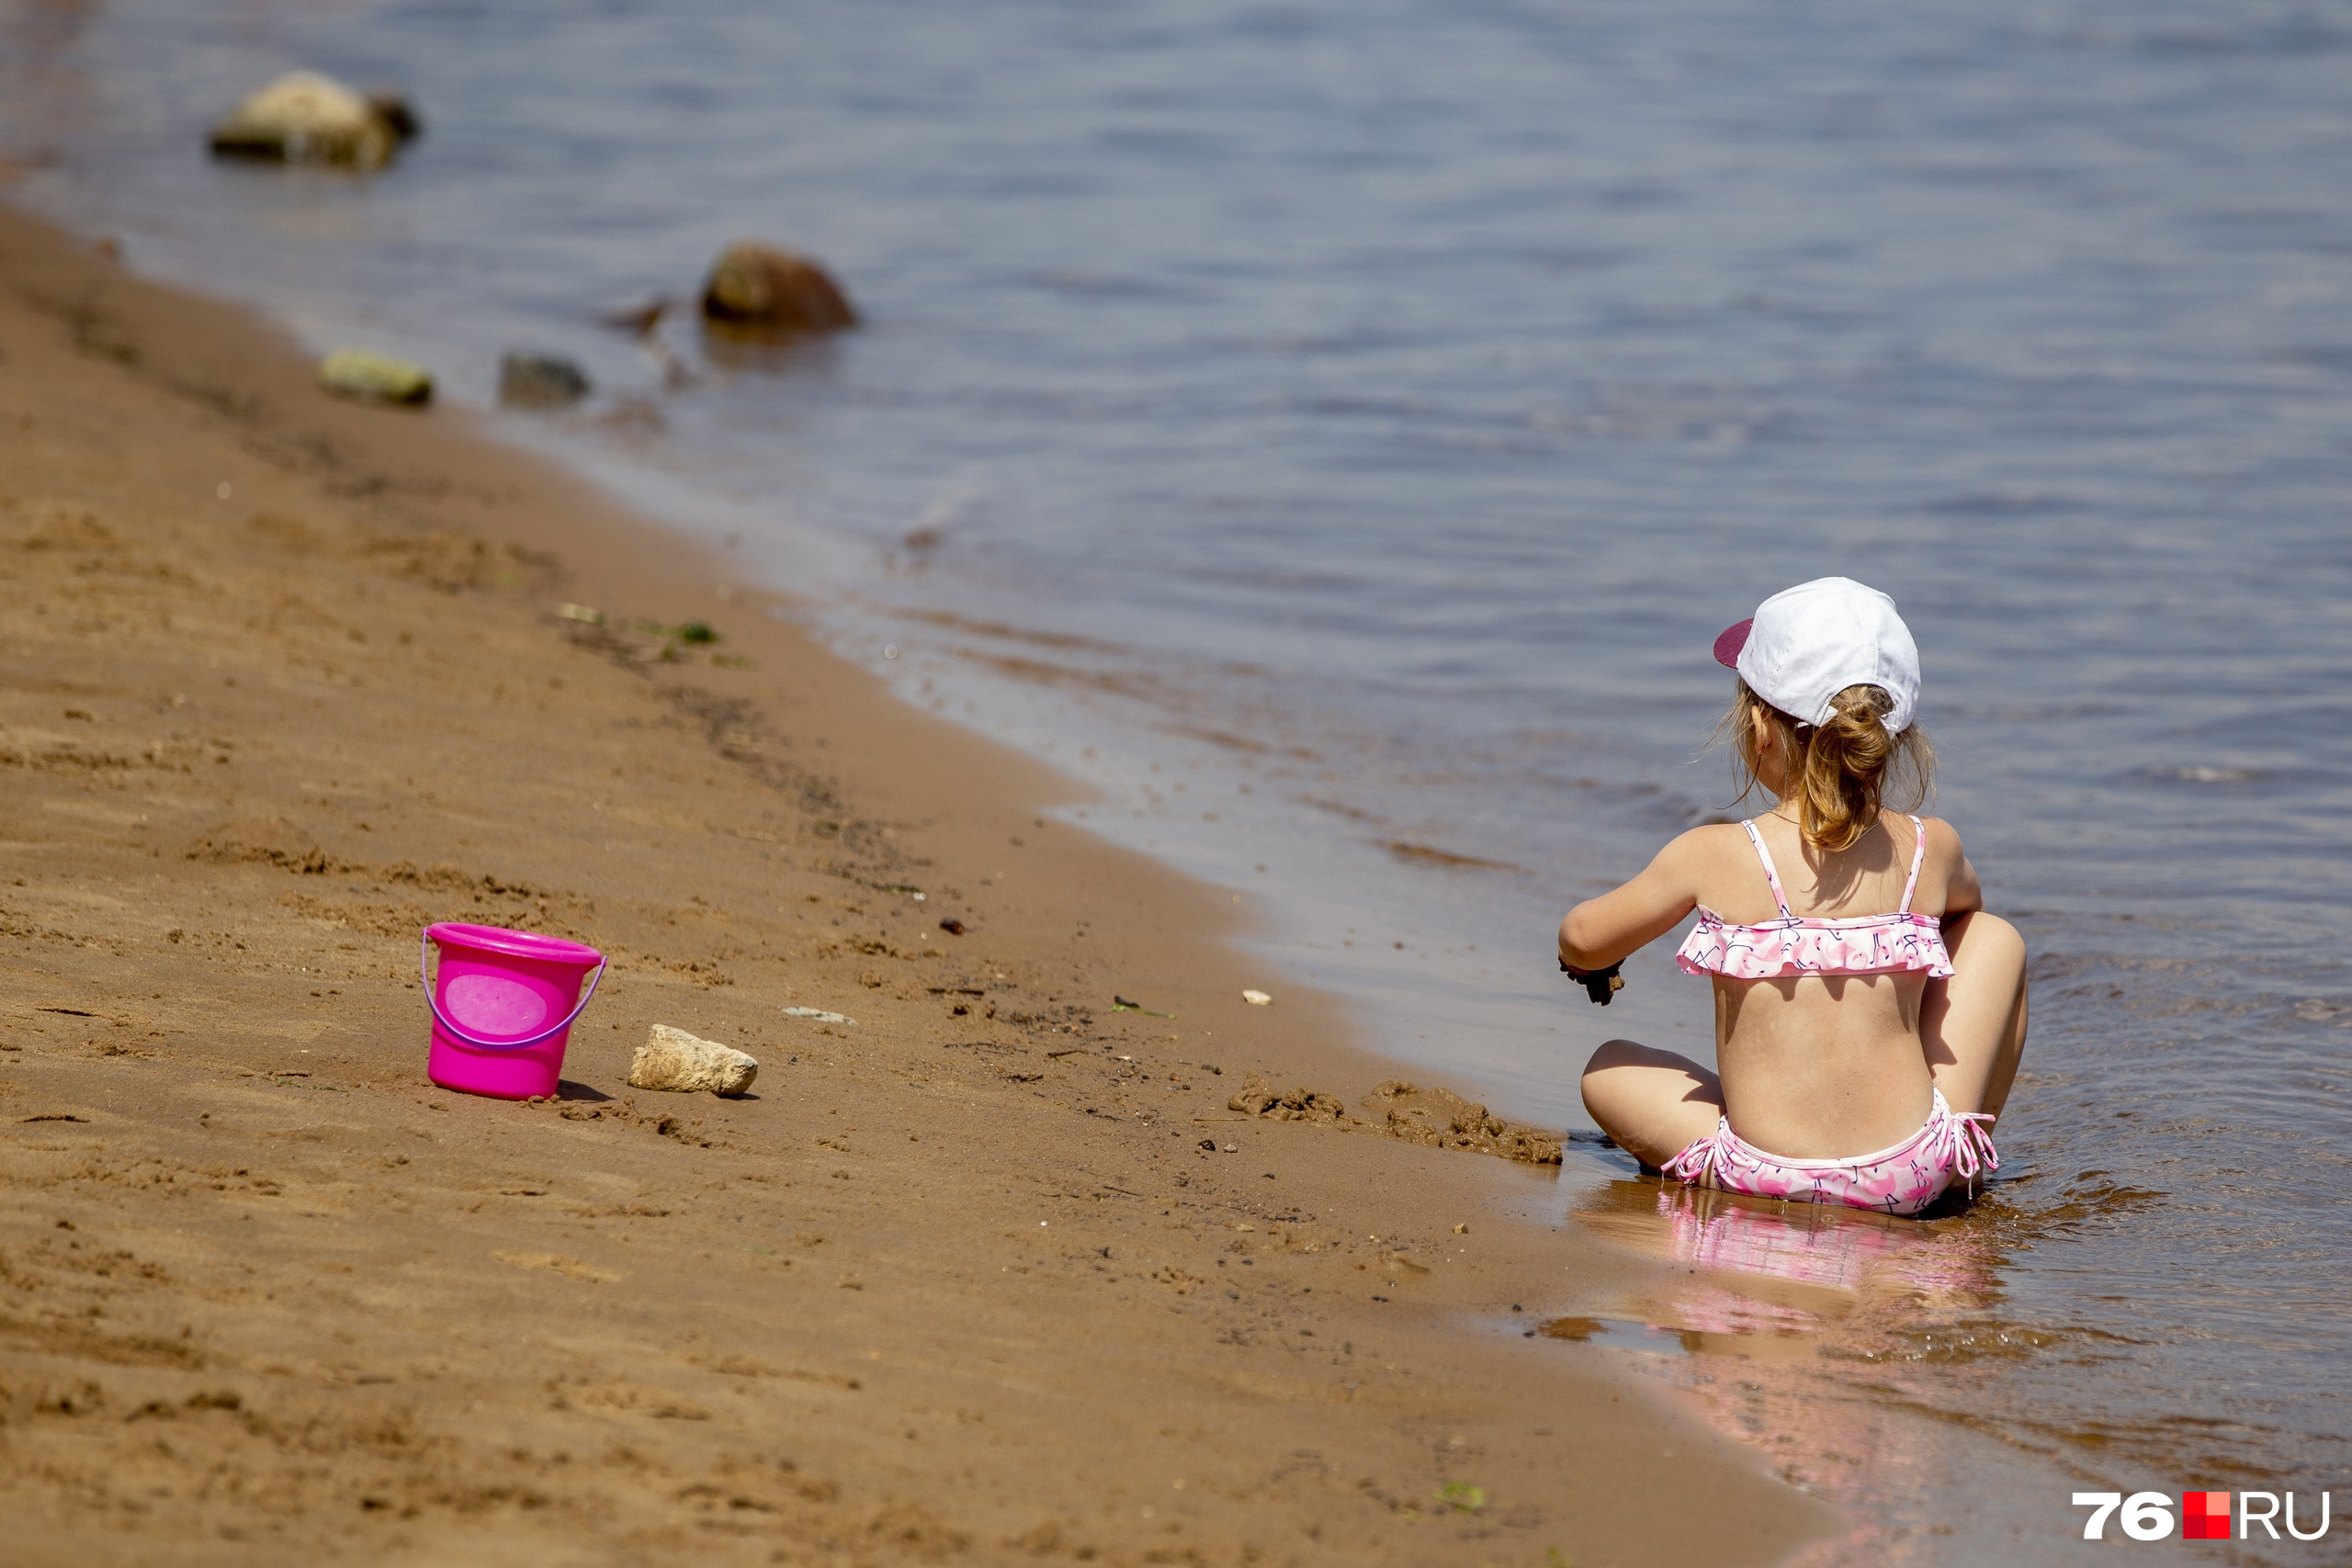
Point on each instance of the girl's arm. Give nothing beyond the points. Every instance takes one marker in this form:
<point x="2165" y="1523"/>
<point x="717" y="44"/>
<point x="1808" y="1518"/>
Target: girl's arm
<point x="1599" y="932"/>
<point x="1963" y="895"/>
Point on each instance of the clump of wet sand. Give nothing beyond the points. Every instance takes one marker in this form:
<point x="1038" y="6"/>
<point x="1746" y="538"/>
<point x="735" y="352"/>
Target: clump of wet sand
<point x="1433" y="1116"/>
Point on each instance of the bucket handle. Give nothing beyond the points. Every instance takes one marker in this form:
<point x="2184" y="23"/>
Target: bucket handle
<point x="425" y="979"/>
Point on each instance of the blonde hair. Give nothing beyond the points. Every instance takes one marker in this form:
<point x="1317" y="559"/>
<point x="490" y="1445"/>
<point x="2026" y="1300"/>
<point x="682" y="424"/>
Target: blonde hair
<point x="1849" y="768"/>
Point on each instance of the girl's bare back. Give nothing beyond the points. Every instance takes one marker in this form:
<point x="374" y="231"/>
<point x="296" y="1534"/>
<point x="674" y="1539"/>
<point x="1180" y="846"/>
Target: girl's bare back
<point x="1824" y="1066"/>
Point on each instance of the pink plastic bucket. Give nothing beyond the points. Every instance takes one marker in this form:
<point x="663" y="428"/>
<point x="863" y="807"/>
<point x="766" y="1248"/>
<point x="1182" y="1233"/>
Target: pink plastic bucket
<point x="504" y="1005"/>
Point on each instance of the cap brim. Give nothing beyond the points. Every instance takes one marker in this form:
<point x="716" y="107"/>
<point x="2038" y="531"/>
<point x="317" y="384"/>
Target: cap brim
<point x="1728" y="646"/>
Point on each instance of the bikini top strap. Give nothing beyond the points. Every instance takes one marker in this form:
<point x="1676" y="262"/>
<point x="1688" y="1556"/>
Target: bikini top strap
<point x="1771" y="873"/>
<point x="1918" y="854"/>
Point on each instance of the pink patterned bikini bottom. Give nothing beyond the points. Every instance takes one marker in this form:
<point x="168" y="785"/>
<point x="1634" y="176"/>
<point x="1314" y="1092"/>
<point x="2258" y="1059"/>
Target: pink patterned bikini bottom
<point x="1952" y="1145"/>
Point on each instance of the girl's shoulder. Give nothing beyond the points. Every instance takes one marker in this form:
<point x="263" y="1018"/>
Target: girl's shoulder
<point x="1944" y="839"/>
<point x="1710" y="838"/>
<point x="1700" y="848"/>
<point x="1945" y="865"/>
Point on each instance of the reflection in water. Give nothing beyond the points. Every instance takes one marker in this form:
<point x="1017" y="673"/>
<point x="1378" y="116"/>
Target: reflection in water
<point x="1796" y="1297"/>
<point x="40" y="31"/>
<point x="1769" y="1268"/>
<point x="37" y="36"/>
<point x="1859" y="1352"/>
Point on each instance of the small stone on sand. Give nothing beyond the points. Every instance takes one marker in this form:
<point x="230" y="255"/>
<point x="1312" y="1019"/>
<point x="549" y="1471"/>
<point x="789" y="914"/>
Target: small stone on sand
<point x="673" y="1059"/>
<point x="1256" y="998"/>
<point x="539" y="381"/>
<point x="375" y="377"/>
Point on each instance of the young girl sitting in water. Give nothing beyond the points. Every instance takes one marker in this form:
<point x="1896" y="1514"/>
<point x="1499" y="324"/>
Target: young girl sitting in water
<point x="1869" y="1013"/>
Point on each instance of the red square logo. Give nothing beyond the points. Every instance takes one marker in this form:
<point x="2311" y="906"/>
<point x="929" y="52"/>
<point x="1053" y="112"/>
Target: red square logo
<point x="2204" y="1516"/>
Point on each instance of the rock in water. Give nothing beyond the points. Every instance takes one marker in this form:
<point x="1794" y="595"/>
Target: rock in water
<point x="673" y="1059"/>
<point x="759" y="289"/>
<point x="304" y="118"/>
<point x="375" y="377"/>
<point x="537" y="382"/>
<point x="398" y="113"/>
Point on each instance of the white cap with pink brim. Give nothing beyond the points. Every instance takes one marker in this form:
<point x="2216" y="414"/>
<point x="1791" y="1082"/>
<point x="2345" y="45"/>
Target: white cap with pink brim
<point x="1806" y="644"/>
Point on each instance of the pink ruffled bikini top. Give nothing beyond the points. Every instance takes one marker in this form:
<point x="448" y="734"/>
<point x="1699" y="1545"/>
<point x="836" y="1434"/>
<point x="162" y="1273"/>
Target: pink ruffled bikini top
<point x="1862" y="945"/>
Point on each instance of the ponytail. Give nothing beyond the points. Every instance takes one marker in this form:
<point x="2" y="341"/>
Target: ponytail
<point x="1849" y="767"/>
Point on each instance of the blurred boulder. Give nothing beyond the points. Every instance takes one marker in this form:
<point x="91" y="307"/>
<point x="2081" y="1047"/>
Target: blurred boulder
<point x="397" y="111"/>
<point x="375" y="377"/>
<point x="305" y="118"/>
<point x="540" y="381"/>
<point x="760" y="288"/>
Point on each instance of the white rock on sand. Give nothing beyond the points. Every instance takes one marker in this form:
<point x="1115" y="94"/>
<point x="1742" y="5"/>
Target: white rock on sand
<point x="673" y="1059"/>
<point x="305" y="118"/>
<point x="375" y="377"/>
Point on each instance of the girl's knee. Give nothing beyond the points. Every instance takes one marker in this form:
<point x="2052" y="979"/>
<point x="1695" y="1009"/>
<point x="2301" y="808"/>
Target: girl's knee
<point x="1991" y="927"/>
<point x="1987" y="938"/>
<point x="1610" y="1054"/>
<point x="1608" y="1094"/>
<point x="1617" y="1053"/>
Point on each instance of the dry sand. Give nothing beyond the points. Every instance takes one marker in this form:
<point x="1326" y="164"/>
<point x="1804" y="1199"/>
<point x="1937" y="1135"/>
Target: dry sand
<point x="956" y="1283"/>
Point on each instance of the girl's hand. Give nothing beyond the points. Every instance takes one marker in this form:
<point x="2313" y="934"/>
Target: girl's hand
<point x="1599" y="983"/>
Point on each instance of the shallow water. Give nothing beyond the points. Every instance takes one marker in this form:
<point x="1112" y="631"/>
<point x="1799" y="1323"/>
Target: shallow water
<point x="1337" y="432"/>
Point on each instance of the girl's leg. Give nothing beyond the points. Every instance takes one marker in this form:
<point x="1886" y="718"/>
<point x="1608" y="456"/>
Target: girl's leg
<point x="1654" y="1103"/>
<point x="1972" y="1024"/>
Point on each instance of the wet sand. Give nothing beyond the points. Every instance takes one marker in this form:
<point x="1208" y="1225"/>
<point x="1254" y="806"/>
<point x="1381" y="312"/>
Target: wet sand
<point x="285" y="679"/>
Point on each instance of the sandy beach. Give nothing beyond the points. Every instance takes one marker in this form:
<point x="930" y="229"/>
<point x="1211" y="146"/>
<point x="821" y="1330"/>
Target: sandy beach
<point x="991" y="1274"/>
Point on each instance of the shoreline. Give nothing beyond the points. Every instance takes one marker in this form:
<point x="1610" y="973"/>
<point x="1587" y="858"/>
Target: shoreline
<point x="254" y="741"/>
